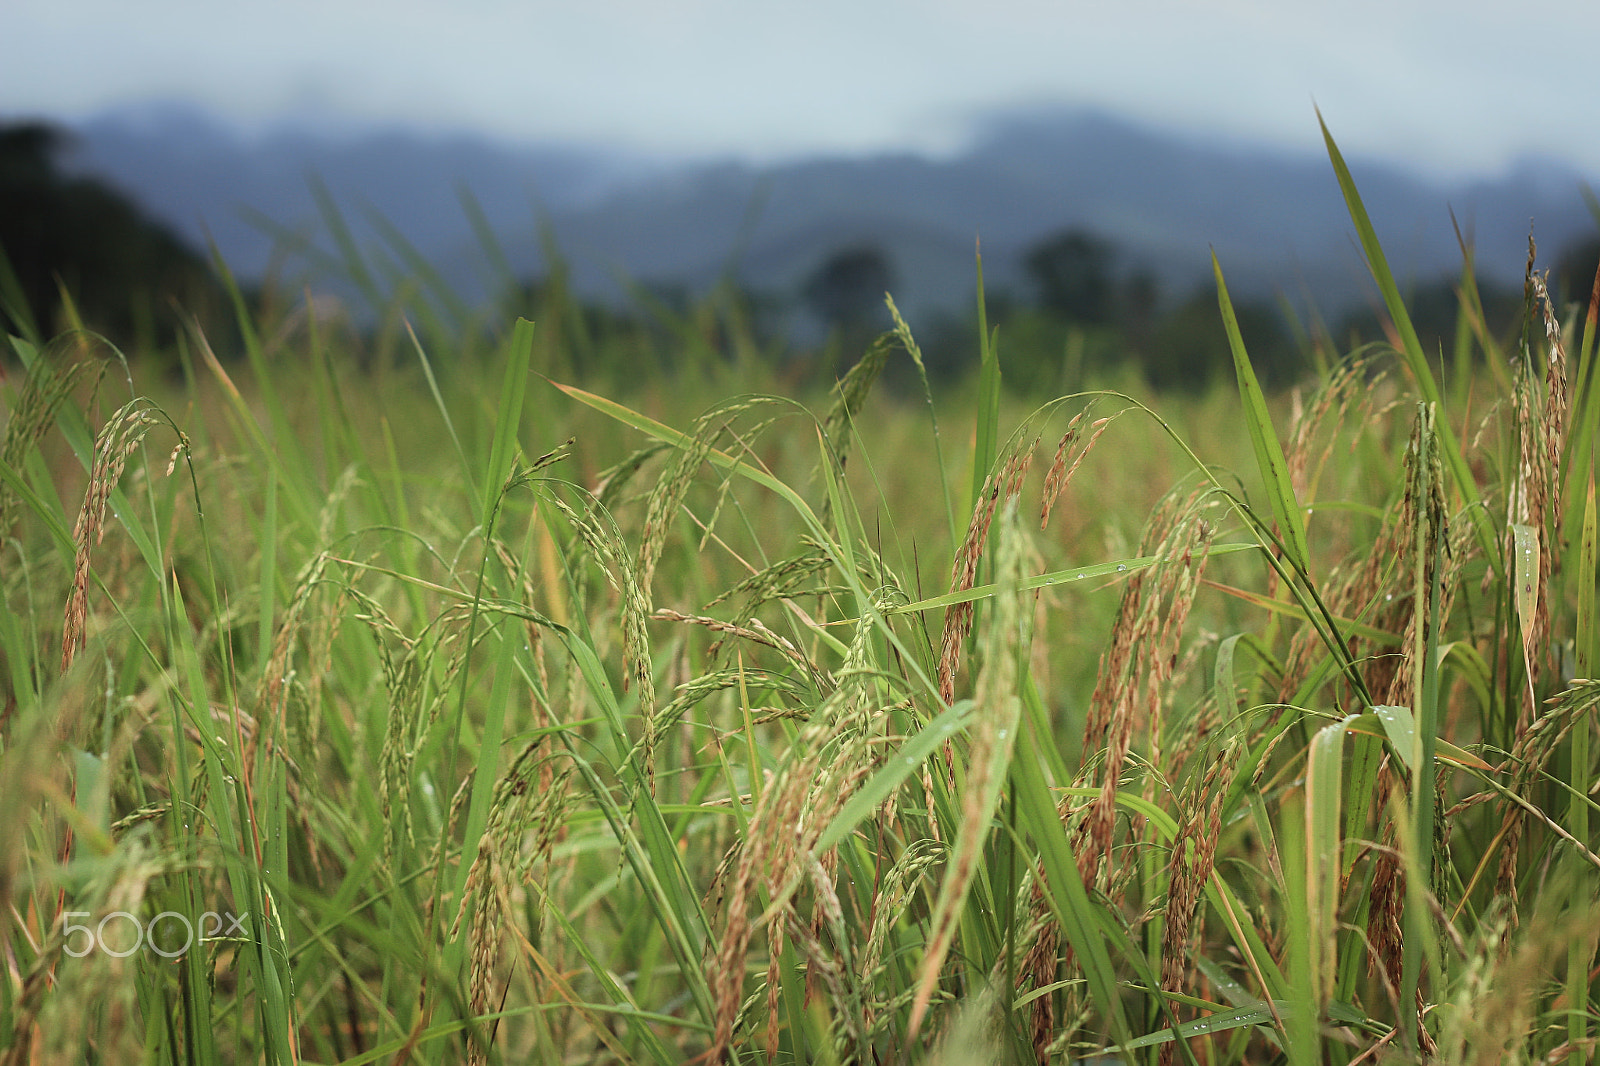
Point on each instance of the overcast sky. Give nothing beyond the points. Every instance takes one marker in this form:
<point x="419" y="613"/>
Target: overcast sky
<point x="1447" y="87"/>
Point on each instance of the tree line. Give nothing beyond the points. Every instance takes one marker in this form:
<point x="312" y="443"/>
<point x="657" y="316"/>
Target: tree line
<point x="1083" y="310"/>
<point x="65" y="236"/>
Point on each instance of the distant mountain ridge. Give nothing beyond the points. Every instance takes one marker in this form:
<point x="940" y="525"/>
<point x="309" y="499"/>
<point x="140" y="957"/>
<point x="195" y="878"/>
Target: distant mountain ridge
<point x="1275" y="221"/>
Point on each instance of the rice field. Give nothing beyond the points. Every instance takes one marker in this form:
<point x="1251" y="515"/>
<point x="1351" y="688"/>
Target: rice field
<point x="462" y="708"/>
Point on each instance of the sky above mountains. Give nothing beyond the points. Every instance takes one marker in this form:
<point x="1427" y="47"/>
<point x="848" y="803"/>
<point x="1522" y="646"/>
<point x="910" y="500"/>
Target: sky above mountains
<point x="1448" y="88"/>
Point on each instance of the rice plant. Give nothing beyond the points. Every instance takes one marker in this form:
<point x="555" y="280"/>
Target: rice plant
<point x="441" y="713"/>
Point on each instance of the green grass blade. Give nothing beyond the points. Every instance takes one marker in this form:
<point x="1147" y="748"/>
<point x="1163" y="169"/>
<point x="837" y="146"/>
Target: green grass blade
<point x="1525" y="576"/>
<point x="1411" y="348"/>
<point x="1116" y="568"/>
<point x="1269" y="453"/>
<point x="899" y="766"/>
<point x="444" y="294"/>
<point x="1324" y="860"/>
<point x="988" y="438"/>
<point x="1302" y="1022"/>
<point x="509" y="422"/>
<point x="1429" y="540"/>
<point x="504" y="278"/>
<point x="354" y="264"/>
<point x="444" y="414"/>
<point x="1580" y="953"/>
<point x="1220" y="1022"/>
<point x="14" y="303"/>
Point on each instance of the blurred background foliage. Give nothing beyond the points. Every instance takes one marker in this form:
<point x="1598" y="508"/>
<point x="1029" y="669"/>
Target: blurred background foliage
<point x="77" y="251"/>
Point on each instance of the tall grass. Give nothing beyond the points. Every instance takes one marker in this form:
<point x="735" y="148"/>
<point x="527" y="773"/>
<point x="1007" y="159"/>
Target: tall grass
<point x="444" y="714"/>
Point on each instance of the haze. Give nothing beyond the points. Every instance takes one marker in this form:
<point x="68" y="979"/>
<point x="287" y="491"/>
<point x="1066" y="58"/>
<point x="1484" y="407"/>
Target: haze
<point x="1450" y="89"/>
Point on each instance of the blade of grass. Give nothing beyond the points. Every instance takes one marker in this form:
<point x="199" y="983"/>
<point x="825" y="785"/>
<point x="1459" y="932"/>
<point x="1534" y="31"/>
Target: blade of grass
<point x="1269" y="453"/>
<point x="503" y="276"/>
<point x="896" y="768"/>
<point x="1429" y="541"/>
<point x="1580" y="951"/>
<point x="513" y="388"/>
<point x="1411" y="348"/>
<point x="444" y="413"/>
<point x="988" y="438"/>
<point x="355" y="266"/>
<point x="1324" y="865"/>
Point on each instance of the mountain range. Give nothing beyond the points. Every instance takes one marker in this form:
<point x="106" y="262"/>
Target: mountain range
<point x="1276" y="221"/>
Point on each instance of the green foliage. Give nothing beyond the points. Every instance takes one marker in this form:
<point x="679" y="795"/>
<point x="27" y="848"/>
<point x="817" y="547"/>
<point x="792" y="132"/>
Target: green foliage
<point x="520" y="722"/>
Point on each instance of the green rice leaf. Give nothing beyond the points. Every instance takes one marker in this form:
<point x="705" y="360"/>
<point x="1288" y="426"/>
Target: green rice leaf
<point x="1411" y="347"/>
<point x="512" y="390"/>
<point x="1269" y="453"/>
<point x="1324" y="866"/>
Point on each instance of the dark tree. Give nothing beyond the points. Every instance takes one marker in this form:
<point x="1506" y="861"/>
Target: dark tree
<point x="1572" y="278"/>
<point x="1189" y="348"/>
<point x="847" y="290"/>
<point x="1071" y="276"/>
<point x="121" y="268"/>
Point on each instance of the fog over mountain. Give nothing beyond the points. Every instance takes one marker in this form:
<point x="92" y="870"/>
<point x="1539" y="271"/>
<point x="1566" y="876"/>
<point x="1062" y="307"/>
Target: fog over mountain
<point x="1277" y="222"/>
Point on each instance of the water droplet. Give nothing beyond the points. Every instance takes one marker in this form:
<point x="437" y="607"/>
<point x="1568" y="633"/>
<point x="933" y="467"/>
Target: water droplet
<point x="1121" y="567"/>
<point x="1388" y="596"/>
<point x="1002" y="734"/>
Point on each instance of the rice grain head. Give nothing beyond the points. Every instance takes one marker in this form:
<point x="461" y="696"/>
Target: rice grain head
<point x="118" y="439"/>
<point x="1143" y="653"/>
<point x="49" y="384"/>
<point x="996" y="713"/>
<point x="964" y="571"/>
<point x="1068" y="458"/>
<point x="1189" y="868"/>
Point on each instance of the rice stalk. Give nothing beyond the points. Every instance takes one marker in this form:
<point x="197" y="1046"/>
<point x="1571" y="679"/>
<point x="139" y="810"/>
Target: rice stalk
<point x="755" y="633"/>
<point x="116" y="442"/>
<point x="1538" y="743"/>
<point x="1069" y="456"/>
<point x="1541" y="407"/>
<point x="1143" y="652"/>
<point x="993" y="733"/>
<point x="964" y="571"/>
<point x="826" y="764"/>
<point x="49" y="384"/>
<point x="781" y="580"/>
<point x="849" y="394"/>
<point x="1189" y="868"/>
<point x="527" y="814"/>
